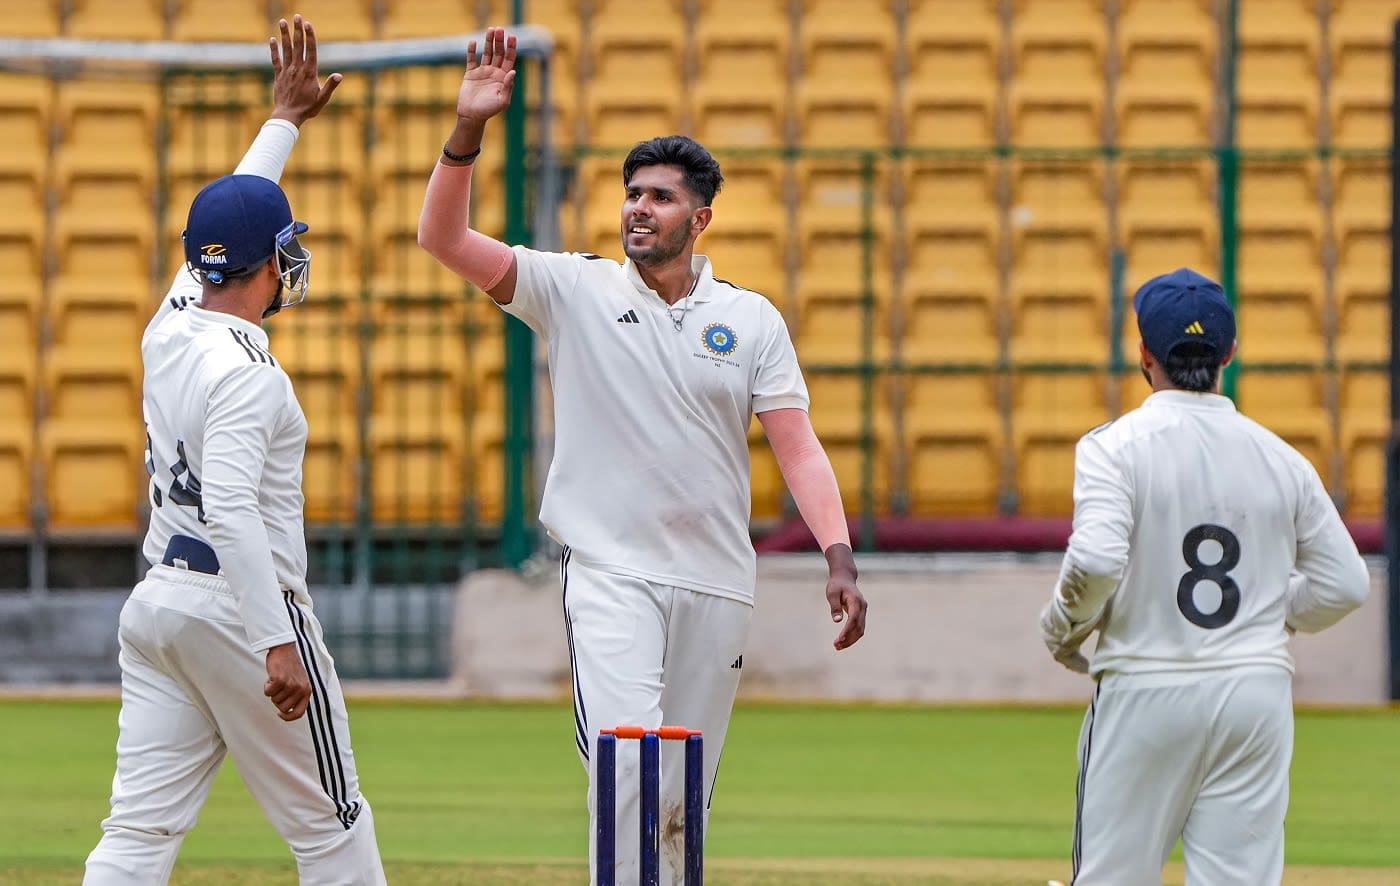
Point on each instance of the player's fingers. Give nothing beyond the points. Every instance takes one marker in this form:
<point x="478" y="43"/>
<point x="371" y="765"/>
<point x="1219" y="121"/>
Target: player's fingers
<point x="510" y="53"/>
<point x="327" y="88"/>
<point x="471" y="54"/>
<point x="851" y="631"/>
<point x="276" y="56"/>
<point x="298" y="39"/>
<point x="310" y="46"/>
<point x="286" y="33"/>
<point x="488" y="48"/>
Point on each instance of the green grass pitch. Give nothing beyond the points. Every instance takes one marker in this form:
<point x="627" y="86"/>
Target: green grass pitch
<point x="853" y="795"/>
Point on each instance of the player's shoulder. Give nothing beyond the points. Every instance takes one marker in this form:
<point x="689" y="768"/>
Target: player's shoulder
<point x="1269" y="442"/>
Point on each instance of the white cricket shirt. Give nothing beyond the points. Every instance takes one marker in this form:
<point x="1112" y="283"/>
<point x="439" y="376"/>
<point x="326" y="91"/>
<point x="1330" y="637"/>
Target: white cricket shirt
<point x="225" y="440"/>
<point x="1205" y="533"/>
<point x="650" y="476"/>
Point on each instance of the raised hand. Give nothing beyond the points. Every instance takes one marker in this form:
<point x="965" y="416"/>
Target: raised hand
<point x="487" y="83"/>
<point x="297" y="91"/>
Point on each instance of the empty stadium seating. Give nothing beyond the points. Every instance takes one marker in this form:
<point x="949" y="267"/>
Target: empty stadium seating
<point x="953" y="434"/>
<point x="1049" y="413"/>
<point x="1277" y="81"/>
<point x="964" y="253"/>
<point x="1165" y="89"/>
<point x="1363" y="433"/>
<point x="951" y="95"/>
<point x="1057" y="94"/>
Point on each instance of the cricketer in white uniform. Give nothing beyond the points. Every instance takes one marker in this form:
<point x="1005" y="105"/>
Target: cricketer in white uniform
<point x="657" y="368"/>
<point x="1200" y="541"/>
<point x="220" y="651"/>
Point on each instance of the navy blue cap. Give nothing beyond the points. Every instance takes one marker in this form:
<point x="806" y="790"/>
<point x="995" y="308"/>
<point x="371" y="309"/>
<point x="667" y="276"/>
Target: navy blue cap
<point x="236" y="223"/>
<point x="1181" y="307"/>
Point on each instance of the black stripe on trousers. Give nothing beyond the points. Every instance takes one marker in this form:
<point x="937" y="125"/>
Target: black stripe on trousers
<point x="580" y="711"/>
<point x="1077" y="852"/>
<point x="328" y="760"/>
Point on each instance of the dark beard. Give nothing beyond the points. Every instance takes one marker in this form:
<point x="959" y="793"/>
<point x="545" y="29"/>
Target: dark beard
<point x="661" y="253"/>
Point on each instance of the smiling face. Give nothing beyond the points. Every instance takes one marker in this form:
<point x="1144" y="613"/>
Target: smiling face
<point x="660" y="216"/>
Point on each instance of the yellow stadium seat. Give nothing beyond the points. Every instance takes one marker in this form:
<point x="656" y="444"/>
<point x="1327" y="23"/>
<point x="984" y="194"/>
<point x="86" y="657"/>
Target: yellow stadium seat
<point x="623" y="107"/>
<point x="108" y="128"/>
<point x="24" y="126"/>
<point x="745" y="242"/>
<point x="847" y="46"/>
<point x="951" y="296"/>
<point x="423" y="18"/>
<point x="94" y="471"/>
<point x="832" y="116"/>
<point x="16" y="449"/>
<point x="417" y="373"/>
<point x="565" y="23"/>
<point x="1059" y="280"/>
<point x="417" y="469"/>
<point x="1165" y="88"/>
<point x="950" y="97"/>
<point x="953" y="434"/>
<point x="1358" y="91"/>
<point x="1278" y="74"/>
<point x="1280" y="261"/>
<point x="1050" y="413"/>
<point x="212" y="120"/>
<point x="840" y="423"/>
<point x="488" y="470"/>
<point x="91" y="384"/>
<point x="335" y="20"/>
<point x="1056" y="98"/>
<point x="240" y="21"/>
<point x="1361" y="281"/>
<point x="1291" y="404"/>
<point x="21" y="246"/>
<point x="766" y="487"/>
<point x="330" y="470"/>
<point x="32" y="18"/>
<point x="116" y="20"/>
<point x="322" y="356"/>
<point x="1364" y="432"/>
<point x="17" y="391"/>
<point x="951" y="286"/>
<point x="741" y="88"/>
<point x="103" y="292"/>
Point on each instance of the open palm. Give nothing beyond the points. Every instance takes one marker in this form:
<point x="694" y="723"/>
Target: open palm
<point x="487" y="83"/>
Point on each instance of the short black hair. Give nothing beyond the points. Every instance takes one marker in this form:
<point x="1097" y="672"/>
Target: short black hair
<point x="700" y="169"/>
<point x="1193" y="366"/>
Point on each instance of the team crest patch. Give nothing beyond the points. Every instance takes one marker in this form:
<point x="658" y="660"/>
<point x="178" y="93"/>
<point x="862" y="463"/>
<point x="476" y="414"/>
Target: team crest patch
<point x="719" y="339"/>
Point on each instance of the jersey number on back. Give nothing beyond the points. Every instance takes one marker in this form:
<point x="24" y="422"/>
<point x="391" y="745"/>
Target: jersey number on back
<point x="1217" y="572"/>
<point x="187" y="491"/>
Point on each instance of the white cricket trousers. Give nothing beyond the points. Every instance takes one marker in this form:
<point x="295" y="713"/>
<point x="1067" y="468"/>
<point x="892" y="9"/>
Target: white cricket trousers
<point x="192" y="691"/>
<point x="1202" y="756"/>
<point x="647" y="654"/>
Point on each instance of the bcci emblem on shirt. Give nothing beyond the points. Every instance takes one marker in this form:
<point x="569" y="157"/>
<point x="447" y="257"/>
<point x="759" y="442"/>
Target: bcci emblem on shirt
<point x="719" y="339"/>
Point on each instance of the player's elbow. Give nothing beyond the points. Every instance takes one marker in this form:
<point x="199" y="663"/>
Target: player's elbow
<point x="1354" y="587"/>
<point x="1098" y="567"/>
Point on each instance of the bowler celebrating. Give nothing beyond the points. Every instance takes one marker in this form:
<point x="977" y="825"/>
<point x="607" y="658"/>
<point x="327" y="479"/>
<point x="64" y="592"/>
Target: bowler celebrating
<point x="658" y="367"/>
<point x="220" y="652"/>
<point x="1201" y="540"/>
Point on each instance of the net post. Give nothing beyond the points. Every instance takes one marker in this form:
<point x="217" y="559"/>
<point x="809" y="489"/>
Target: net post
<point x="519" y="344"/>
<point x="1227" y="160"/>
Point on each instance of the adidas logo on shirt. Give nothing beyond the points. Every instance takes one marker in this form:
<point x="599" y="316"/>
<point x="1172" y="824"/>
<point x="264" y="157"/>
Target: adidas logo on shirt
<point x="629" y="317"/>
<point x="738" y="664"/>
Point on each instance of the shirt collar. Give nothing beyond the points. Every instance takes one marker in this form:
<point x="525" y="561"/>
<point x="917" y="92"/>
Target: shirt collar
<point x="204" y="316"/>
<point x="699" y="264"/>
<point x="1190" y="400"/>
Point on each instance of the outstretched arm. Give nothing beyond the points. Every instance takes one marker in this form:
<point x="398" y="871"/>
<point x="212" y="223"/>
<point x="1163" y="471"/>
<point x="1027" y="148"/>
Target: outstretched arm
<point x="298" y="94"/>
<point x="812" y="482"/>
<point x="444" y="228"/>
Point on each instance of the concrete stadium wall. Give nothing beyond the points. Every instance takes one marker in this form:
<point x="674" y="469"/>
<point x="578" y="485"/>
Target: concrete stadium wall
<point x="942" y="628"/>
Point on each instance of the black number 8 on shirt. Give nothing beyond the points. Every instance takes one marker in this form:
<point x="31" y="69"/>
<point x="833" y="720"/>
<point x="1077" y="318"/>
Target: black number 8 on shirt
<point x="1217" y="572"/>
